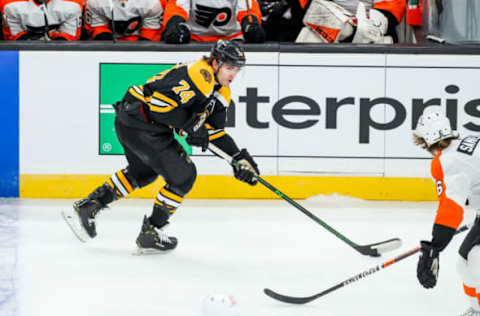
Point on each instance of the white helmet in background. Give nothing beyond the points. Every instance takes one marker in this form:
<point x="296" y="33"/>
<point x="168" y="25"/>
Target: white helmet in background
<point x="219" y="305"/>
<point x="433" y="126"/>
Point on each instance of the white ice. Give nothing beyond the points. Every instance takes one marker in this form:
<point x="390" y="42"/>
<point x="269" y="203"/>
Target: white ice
<point x="225" y="246"/>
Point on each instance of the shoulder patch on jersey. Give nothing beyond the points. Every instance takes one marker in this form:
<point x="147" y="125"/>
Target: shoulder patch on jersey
<point x="206" y="75"/>
<point x="468" y="145"/>
<point x="201" y="74"/>
<point x="224" y="96"/>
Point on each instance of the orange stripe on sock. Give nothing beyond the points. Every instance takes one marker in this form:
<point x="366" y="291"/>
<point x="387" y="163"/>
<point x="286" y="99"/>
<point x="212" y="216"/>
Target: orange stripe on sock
<point x="170" y="195"/>
<point x="124" y="181"/>
<point x="110" y="183"/>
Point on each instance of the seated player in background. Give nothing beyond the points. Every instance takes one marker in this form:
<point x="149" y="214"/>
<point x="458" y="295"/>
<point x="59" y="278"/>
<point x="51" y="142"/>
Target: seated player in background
<point x="125" y="20"/>
<point x="41" y="19"/>
<point x="455" y="169"/>
<point x="187" y="97"/>
<point x="352" y="21"/>
<point x="1" y="21"/>
<point x="210" y="20"/>
<point x="282" y="19"/>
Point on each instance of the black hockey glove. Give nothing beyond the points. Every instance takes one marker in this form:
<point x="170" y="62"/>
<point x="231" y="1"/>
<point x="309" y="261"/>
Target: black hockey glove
<point x="272" y="8"/>
<point x="247" y="169"/>
<point x="428" y="265"/>
<point x="197" y="134"/>
<point x="252" y="31"/>
<point x="177" y="31"/>
<point x="199" y="138"/>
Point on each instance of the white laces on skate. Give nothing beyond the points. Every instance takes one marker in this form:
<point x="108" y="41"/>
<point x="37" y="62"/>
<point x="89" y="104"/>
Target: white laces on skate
<point x="163" y="237"/>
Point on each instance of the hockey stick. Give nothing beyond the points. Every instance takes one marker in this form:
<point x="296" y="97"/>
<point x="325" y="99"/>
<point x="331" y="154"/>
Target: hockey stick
<point x="248" y="11"/>
<point x="113" y="22"/>
<point x="373" y="250"/>
<point x="362" y="275"/>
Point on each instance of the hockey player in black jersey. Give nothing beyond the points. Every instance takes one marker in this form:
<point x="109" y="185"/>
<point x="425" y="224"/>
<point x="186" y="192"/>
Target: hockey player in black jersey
<point x="190" y="99"/>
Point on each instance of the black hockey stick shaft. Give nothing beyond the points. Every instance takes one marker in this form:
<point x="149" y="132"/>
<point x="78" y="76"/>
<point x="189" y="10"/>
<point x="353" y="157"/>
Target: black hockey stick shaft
<point x="360" y="276"/>
<point x="370" y="250"/>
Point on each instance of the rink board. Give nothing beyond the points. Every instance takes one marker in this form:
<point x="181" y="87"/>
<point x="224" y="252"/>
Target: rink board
<point x="310" y="120"/>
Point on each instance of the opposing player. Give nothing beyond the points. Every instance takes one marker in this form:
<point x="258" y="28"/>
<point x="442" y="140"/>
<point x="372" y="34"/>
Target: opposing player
<point x="455" y="170"/>
<point x="124" y="20"/>
<point x="352" y="21"/>
<point x="188" y="98"/>
<point x="211" y="20"/>
<point x="41" y="19"/>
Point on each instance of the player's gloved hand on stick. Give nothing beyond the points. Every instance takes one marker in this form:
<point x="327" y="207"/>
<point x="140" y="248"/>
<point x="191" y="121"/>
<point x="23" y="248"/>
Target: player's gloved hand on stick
<point x="176" y="31"/>
<point x="252" y="31"/>
<point x="247" y="169"/>
<point x="197" y="134"/>
<point x="199" y="138"/>
<point x="428" y="265"/>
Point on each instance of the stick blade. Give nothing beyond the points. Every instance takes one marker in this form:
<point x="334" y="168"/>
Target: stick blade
<point x="379" y="248"/>
<point x="288" y="299"/>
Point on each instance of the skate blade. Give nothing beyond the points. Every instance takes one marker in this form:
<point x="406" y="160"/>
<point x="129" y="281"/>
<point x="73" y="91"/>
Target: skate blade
<point x="73" y="221"/>
<point x="149" y="252"/>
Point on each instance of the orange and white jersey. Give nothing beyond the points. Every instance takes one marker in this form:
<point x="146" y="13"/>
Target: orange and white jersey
<point x="396" y="7"/>
<point x="27" y="19"/>
<point x="211" y="20"/>
<point x="456" y="172"/>
<point x="132" y="19"/>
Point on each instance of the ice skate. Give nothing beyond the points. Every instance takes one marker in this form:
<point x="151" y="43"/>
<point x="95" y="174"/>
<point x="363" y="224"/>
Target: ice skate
<point x="81" y="219"/>
<point x="471" y="312"/>
<point x="153" y="241"/>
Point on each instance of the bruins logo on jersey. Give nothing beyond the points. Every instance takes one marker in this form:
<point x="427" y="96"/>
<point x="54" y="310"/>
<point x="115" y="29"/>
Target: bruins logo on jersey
<point x="206" y="75"/>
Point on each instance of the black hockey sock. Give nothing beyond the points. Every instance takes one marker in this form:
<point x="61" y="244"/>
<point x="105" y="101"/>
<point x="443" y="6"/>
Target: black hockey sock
<point x="159" y="217"/>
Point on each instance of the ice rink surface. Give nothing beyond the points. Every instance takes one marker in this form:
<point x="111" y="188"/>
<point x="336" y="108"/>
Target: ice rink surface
<point x="225" y="246"/>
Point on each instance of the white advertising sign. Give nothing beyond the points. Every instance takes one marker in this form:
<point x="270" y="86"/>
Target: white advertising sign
<point x="318" y="114"/>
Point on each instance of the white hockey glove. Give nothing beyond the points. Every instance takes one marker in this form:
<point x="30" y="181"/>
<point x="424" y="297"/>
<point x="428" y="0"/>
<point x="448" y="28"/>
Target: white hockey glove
<point x="371" y="30"/>
<point x="330" y="22"/>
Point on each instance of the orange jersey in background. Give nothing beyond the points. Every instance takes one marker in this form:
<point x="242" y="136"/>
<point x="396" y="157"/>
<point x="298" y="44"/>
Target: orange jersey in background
<point x="26" y="19"/>
<point x="211" y="20"/>
<point x="132" y="19"/>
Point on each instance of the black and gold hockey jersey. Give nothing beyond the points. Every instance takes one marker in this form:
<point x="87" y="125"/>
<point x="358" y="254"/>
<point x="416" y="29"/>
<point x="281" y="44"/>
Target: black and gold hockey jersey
<point x="171" y="98"/>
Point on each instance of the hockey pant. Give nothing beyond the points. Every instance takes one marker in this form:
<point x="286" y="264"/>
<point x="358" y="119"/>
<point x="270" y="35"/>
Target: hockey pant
<point x="468" y="265"/>
<point x="149" y="155"/>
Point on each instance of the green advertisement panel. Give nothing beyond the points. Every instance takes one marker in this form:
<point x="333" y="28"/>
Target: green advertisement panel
<point x="115" y="79"/>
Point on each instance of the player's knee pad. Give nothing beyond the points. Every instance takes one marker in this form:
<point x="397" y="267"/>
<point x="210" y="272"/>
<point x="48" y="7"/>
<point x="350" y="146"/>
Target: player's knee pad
<point x="473" y="265"/>
<point x="462" y="269"/>
<point x="468" y="268"/>
<point x="184" y="180"/>
<point x="139" y="180"/>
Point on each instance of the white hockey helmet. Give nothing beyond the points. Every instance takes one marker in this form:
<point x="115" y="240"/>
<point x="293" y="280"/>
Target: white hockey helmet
<point x="434" y="126"/>
<point x="219" y="305"/>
